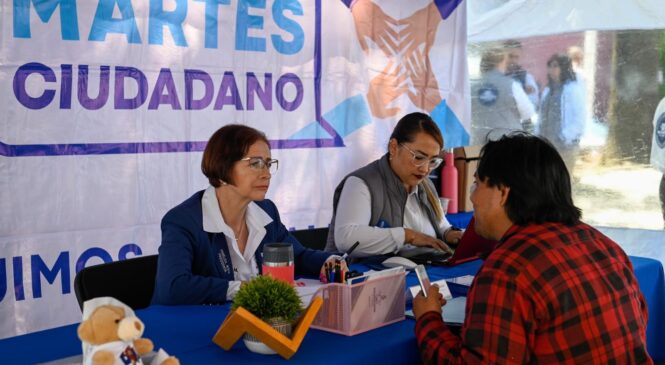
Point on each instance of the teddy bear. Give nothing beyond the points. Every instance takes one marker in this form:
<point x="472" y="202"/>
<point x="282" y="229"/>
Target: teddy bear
<point x="115" y="338"/>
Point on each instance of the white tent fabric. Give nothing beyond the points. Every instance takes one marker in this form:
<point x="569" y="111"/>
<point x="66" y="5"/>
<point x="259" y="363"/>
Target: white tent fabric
<point x="526" y="18"/>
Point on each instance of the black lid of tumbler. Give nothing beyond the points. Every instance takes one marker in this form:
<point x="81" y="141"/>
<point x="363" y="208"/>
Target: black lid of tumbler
<point x="278" y="253"/>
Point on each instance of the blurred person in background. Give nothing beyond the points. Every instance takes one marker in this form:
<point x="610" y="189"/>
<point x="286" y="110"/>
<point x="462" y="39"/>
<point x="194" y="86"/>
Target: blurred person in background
<point x="658" y="150"/>
<point x="498" y="102"/>
<point x="562" y="109"/>
<point x="515" y="70"/>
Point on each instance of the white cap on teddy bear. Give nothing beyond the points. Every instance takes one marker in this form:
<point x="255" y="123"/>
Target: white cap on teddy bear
<point x="89" y="306"/>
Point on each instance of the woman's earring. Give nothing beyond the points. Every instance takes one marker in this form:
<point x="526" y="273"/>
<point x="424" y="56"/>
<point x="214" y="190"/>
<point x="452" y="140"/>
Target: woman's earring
<point x="224" y="183"/>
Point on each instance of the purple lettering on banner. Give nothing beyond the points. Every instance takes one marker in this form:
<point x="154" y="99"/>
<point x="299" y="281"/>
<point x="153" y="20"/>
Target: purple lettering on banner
<point x="254" y="88"/>
<point x="21" y="93"/>
<point x="65" y="86"/>
<point x="279" y="92"/>
<point x="190" y="76"/>
<point x="119" y="101"/>
<point x="90" y="253"/>
<point x="17" y="263"/>
<point x="164" y="80"/>
<point x="84" y="99"/>
<point x="39" y="268"/>
<point x="3" y="278"/>
<point x="228" y="84"/>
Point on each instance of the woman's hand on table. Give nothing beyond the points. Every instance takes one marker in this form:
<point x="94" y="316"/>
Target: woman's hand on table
<point x="453" y="236"/>
<point x="422" y="240"/>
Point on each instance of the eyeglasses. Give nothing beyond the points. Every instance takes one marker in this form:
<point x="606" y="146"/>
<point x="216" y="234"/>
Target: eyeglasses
<point x="420" y="160"/>
<point x="257" y="163"/>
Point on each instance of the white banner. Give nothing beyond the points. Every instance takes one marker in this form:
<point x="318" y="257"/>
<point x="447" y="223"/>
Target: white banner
<point x="107" y="106"/>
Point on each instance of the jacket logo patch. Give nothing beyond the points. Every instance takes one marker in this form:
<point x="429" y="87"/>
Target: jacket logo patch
<point x="488" y="94"/>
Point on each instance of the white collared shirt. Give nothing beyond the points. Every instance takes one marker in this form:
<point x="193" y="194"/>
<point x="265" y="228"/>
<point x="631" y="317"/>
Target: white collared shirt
<point x="354" y="210"/>
<point x="245" y="266"/>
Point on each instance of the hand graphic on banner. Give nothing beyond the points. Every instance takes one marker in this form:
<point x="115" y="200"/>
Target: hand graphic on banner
<point x="385" y="88"/>
<point x="420" y="28"/>
<point x="416" y="38"/>
<point x="371" y="22"/>
<point x="419" y="71"/>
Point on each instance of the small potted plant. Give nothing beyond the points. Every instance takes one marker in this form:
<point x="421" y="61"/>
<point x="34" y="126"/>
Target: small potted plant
<point x="273" y="301"/>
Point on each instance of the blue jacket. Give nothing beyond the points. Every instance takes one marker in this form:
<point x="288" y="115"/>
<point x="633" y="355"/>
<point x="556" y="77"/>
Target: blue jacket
<point x="189" y="270"/>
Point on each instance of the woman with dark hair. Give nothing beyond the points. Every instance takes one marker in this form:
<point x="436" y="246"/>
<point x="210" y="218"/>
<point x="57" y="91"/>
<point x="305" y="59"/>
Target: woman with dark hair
<point x="212" y="242"/>
<point x="390" y="205"/>
<point x="562" y="109"/>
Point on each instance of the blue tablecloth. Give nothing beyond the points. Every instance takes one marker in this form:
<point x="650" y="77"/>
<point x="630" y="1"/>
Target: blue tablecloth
<point x="186" y="331"/>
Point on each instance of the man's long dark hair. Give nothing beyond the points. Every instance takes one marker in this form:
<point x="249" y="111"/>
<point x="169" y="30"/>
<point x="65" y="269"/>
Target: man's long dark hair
<point x="536" y="175"/>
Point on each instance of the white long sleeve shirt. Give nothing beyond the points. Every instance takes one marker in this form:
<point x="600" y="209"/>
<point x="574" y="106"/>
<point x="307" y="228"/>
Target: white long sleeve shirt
<point x="354" y="211"/>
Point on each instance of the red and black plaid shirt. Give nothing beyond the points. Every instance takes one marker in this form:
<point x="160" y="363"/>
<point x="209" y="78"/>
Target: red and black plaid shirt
<point x="548" y="294"/>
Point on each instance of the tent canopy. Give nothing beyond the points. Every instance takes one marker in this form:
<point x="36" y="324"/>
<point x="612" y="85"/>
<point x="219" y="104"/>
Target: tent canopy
<point x="526" y="18"/>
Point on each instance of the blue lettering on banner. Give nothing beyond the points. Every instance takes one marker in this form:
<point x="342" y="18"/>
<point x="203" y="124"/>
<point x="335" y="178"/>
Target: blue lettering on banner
<point x="129" y="248"/>
<point x="3" y="282"/>
<point x="159" y="18"/>
<point x="17" y="263"/>
<point x="211" y="21"/>
<point x="245" y="22"/>
<point x="90" y="253"/>
<point x="40" y="269"/>
<point x="288" y="25"/>
<point x="103" y="23"/>
<point x="45" y="9"/>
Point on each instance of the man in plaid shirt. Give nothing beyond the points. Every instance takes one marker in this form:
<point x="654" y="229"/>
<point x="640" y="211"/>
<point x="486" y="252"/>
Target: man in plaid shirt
<point x="554" y="290"/>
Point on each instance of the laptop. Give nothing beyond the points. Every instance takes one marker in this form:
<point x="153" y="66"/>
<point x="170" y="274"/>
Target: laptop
<point x="471" y="247"/>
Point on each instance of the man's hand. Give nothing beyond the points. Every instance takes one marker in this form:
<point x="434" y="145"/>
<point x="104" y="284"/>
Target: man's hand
<point x="432" y="303"/>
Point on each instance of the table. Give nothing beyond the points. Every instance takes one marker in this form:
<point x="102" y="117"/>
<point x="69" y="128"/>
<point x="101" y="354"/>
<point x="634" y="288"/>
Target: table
<point x="186" y="331"/>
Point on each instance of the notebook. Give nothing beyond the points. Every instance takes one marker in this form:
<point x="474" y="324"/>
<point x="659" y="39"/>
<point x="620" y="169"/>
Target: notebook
<point x="471" y="247"/>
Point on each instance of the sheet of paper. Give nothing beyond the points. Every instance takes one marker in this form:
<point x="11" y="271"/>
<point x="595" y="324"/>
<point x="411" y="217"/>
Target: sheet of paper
<point x="375" y="274"/>
<point x="452" y="313"/>
<point x="306" y="289"/>
<point x="462" y="280"/>
<point x="443" y="289"/>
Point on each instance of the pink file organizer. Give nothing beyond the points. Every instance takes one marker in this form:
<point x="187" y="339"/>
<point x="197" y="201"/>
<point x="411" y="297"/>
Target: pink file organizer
<point x="353" y="309"/>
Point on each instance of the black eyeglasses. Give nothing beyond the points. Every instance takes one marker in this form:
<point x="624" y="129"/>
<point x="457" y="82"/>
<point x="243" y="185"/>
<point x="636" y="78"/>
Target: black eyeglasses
<point x="420" y="160"/>
<point x="258" y="163"/>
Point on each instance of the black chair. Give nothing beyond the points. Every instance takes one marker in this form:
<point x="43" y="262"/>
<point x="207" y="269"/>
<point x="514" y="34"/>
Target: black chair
<point x="131" y="281"/>
<point x="312" y="238"/>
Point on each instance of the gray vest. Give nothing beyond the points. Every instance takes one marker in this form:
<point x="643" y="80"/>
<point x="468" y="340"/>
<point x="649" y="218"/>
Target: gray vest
<point x="493" y="107"/>
<point x="388" y="197"/>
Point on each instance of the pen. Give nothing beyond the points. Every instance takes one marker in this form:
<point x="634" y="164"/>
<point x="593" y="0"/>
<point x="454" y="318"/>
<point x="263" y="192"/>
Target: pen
<point x="347" y="253"/>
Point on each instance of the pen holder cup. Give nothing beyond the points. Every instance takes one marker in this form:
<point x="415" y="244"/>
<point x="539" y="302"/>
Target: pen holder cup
<point x="353" y="309"/>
